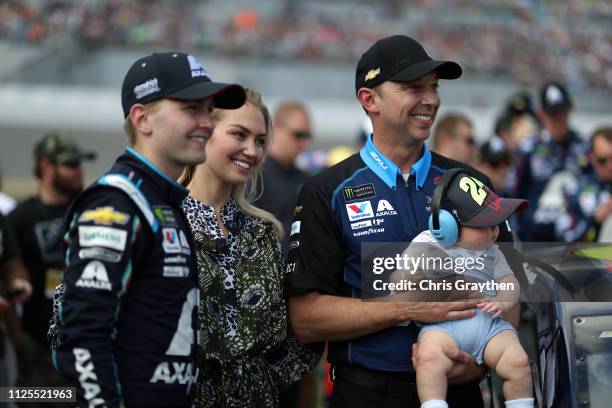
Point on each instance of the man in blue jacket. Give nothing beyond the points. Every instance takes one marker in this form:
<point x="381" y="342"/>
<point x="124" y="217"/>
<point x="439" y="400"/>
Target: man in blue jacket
<point x="381" y="194"/>
<point x="126" y="322"/>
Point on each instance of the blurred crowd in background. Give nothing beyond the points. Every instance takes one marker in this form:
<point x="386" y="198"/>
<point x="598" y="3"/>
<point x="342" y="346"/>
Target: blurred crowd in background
<point x="568" y="40"/>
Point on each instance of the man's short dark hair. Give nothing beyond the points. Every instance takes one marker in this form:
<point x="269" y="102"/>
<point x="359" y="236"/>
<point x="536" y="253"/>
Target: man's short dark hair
<point x="603" y="132"/>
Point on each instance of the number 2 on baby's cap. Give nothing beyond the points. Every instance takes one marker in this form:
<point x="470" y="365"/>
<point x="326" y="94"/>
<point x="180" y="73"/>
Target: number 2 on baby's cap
<point x="474" y="187"/>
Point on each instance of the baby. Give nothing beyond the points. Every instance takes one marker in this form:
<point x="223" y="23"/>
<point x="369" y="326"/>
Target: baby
<point x="468" y="232"/>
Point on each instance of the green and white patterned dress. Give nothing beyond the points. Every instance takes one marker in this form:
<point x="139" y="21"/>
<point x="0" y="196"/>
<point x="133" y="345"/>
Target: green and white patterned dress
<point x="246" y="353"/>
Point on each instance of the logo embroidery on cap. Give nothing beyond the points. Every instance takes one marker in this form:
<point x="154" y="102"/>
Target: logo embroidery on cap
<point x="146" y="88"/>
<point x="197" y="70"/>
<point x="554" y="95"/>
<point x="373" y="73"/>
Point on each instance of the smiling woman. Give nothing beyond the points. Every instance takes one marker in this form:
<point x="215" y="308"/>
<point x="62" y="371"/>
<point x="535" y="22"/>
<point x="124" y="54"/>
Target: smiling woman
<point x="246" y="352"/>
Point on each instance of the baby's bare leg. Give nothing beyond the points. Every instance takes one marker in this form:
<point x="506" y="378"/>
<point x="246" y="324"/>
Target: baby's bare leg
<point x="505" y="355"/>
<point x="433" y="365"/>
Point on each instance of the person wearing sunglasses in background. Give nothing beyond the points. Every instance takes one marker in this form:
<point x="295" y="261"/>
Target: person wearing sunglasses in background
<point x="38" y="226"/>
<point x="282" y="179"/>
<point x="453" y="137"/>
<point x="589" y="199"/>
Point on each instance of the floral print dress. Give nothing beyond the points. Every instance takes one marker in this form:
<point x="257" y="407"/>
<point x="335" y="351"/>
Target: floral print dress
<point x="246" y="353"/>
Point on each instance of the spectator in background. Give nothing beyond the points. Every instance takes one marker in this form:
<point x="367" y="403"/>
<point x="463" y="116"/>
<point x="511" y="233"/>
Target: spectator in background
<point x="453" y="137"/>
<point x="7" y="203"/>
<point x="523" y="121"/>
<point x="556" y="148"/>
<point x="282" y="179"/>
<point x="495" y="160"/>
<point x="38" y="226"/>
<point x="364" y="132"/>
<point x="589" y="199"/>
<point x="15" y="288"/>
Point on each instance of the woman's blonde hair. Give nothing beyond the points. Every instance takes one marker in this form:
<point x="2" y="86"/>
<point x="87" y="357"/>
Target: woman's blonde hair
<point x="245" y="194"/>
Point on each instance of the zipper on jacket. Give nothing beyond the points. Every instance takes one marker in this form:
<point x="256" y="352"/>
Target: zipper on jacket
<point x="414" y="219"/>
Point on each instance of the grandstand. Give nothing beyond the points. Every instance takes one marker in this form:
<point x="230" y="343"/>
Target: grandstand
<point x="63" y="60"/>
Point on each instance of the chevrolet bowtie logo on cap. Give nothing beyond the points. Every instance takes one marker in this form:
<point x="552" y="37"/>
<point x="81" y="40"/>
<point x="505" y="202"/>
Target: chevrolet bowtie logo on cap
<point x="372" y="74"/>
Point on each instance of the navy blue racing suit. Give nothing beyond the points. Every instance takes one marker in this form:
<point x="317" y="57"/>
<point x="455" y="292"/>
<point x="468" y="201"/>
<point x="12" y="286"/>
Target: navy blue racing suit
<point x="539" y="159"/>
<point x="126" y="322"/>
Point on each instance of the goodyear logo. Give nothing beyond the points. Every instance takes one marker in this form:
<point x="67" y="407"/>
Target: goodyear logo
<point x="373" y="73"/>
<point x="105" y="215"/>
<point x="358" y="192"/>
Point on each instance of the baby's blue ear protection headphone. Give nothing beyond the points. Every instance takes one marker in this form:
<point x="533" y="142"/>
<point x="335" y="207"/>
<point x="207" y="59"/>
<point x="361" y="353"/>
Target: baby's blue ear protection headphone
<point x="442" y="224"/>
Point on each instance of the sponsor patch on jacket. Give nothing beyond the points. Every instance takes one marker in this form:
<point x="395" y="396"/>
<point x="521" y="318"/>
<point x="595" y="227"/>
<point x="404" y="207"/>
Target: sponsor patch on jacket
<point x="90" y="236"/>
<point x="175" y="271"/>
<point x="295" y="227"/>
<point x="384" y="208"/>
<point x="353" y="193"/>
<point x="361" y="224"/>
<point x="359" y="210"/>
<point x="171" y="243"/>
<point x="175" y="259"/>
<point x="105" y="215"/>
<point x="175" y="242"/>
<point x="94" y="276"/>
<point x="102" y="254"/>
<point x="87" y="377"/>
<point x="165" y="216"/>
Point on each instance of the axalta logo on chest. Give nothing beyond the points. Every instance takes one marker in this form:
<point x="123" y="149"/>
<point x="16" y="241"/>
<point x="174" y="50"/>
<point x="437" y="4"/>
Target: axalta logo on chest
<point x="384" y="209"/>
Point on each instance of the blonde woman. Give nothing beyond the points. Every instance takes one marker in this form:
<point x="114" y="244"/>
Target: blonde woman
<point x="245" y="356"/>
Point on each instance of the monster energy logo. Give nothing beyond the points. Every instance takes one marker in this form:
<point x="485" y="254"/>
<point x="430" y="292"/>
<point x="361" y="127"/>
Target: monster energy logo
<point x="358" y="192"/>
<point x="165" y="215"/>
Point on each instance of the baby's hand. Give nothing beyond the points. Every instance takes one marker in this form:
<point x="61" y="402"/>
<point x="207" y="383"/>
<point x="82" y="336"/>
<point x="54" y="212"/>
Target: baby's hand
<point x="492" y="306"/>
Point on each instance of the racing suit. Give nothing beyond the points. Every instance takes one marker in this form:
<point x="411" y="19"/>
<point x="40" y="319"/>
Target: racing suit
<point x="126" y="321"/>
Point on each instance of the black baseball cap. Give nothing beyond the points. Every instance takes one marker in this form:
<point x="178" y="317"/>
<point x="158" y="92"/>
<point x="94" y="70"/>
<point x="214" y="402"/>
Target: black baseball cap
<point x="399" y="58"/>
<point x="475" y="205"/>
<point x="175" y="75"/>
<point x="554" y="97"/>
<point x="495" y="152"/>
<point x="520" y="104"/>
<point x="59" y="148"/>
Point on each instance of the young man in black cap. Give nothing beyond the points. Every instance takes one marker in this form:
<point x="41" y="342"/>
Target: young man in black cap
<point x="38" y="226"/>
<point x="381" y="194"/>
<point x="557" y="147"/>
<point x="126" y="322"/>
